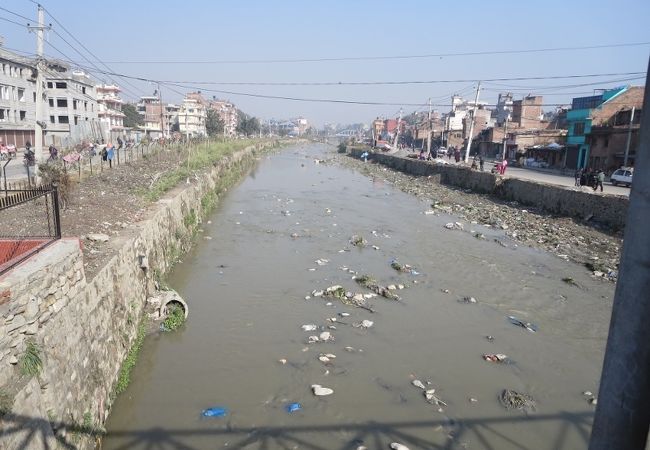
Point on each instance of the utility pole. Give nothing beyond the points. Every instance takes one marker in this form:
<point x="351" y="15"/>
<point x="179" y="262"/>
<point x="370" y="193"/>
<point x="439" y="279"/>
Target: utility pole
<point x="629" y="139"/>
<point x="39" y="122"/>
<point x="505" y="138"/>
<point x="471" y="125"/>
<point x="429" y="130"/>
<point x="399" y="122"/>
<point x="623" y="410"/>
<point x="162" y="109"/>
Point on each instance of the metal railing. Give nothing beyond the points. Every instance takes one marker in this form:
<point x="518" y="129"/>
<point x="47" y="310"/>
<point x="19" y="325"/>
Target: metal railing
<point x="29" y="222"/>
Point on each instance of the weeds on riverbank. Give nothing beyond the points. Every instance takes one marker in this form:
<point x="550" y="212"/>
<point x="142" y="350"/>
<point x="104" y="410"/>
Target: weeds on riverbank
<point x="6" y="403"/>
<point x="124" y="377"/>
<point x="196" y="158"/>
<point x="31" y="362"/>
<point x="175" y="318"/>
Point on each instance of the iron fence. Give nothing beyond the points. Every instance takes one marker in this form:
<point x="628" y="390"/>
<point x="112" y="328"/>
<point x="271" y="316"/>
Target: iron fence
<point x="29" y="222"/>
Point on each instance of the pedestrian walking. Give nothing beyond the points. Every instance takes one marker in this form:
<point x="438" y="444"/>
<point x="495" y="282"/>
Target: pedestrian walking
<point x="457" y="155"/>
<point x="110" y="154"/>
<point x="600" y="177"/>
<point x="54" y="153"/>
<point x="578" y="177"/>
<point x="481" y="161"/>
<point x="29" y="160"/>
<point x="504" y="165"/>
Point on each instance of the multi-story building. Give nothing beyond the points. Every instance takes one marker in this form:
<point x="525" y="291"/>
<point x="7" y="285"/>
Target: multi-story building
<point x="17" y="99"/>
<point x="72" y="106"/>
<point x="110" y="112"/>
<point x="192" y="117"/>
<point x="227" y="113"/>
<point x="503" y="110"/>
<point x="597" y="110"/>
<point x="527" y="112"/>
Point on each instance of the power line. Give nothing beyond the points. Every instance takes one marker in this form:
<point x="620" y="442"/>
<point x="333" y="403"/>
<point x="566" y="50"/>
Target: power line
<point x="19" y="15"/>
<point x="14" y="22"/>
<point x="404" y="82"/>
<point x="378" y="58"/>
<point x="86" y="49"/>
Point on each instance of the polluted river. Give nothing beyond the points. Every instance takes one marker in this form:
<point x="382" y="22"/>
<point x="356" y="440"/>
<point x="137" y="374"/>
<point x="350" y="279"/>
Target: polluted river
<point x="435" y="339"/>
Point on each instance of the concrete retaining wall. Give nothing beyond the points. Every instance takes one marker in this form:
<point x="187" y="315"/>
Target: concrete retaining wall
<point x="610" y="210"/>
<point x="83" y="327"/>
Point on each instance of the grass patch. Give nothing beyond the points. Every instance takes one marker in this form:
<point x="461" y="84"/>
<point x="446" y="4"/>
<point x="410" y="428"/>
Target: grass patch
<point x="30" y="362"/>
<point x="190" y="219"/>
<point x="201" y="156"/>
<point x="124" y="377"/>
<point x="6" y="403"/>
<point x="175" y="318"/>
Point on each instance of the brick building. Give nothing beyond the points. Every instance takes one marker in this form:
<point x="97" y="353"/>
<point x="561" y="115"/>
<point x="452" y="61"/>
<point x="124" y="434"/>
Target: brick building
<point x="527" y="112"/>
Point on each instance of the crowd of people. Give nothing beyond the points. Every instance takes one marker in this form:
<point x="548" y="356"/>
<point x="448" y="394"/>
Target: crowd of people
<point x="589" y="177"/>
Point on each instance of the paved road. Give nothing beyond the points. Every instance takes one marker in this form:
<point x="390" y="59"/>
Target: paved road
<point x="561" y="180"/>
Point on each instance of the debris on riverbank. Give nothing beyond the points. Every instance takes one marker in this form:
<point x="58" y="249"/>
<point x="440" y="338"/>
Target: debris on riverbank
<point x="585" y="243"/>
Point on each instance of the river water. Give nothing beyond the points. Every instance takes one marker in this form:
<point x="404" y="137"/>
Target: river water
<point x="246" y="287"/>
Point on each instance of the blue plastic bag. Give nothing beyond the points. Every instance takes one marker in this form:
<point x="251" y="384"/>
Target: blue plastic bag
<point x="215" y="411"/>
<point x="293" y="407"/>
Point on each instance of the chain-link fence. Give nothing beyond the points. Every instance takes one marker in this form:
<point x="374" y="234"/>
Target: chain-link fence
<point x="29" y="221"/>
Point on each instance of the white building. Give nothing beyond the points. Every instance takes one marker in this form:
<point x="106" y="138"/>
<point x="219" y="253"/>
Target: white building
<point x="72" y="108"/>
<point x="110" y="112"/>
<point x="17" y="99"/>
<point x="227" y="113"/>
<point x="191" y="118"/>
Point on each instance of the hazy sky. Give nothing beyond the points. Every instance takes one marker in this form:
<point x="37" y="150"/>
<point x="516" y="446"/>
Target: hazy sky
<point x="142" y="31"/>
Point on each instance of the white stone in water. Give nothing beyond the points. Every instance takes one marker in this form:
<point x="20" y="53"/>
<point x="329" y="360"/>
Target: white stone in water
<point x="418" y="383"/>
<point x="324" y="359"/>
<point x="309" y="327"/>
<point x="391" y="287"/>
<point x="330" y="355"/>
<point x="367" y="323"/>
<point x="325" y="336"/>
<point x="321" y="391"/>
<point x="398" y="446"/>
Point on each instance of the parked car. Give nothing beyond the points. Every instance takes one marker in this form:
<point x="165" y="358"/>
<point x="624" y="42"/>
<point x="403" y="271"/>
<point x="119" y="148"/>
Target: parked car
<point x="622" y="176"/>
<point x="441" y="152"/>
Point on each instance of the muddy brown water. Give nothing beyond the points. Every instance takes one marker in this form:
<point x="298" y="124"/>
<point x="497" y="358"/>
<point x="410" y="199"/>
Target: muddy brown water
<point x="246" y="289"/>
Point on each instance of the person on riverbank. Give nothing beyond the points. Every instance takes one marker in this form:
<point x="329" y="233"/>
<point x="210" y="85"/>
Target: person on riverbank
<point x="457" y="155"/>
<point x="110" y="154"/>
<point x="600" y="177"/>
<point x="481" y="162"/>
<point x="578" y="177"/>
<point x="504" y="165"/>
<point x="29" y="160"/>
<point x="54" y="153"/>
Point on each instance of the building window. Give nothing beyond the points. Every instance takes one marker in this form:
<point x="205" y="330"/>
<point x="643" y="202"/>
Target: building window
<point x="21" y="94"/>
<point x="61" y="85"/>
<point x="23" y="116"/>
<point x="62" y="102"/>
<point x="83" y="89"/>
<point x="34" y="96"/>
<point x="49" y="85"/>
<point x="74" y="104"/>
<point x="76" y="120"/>
<point x="64" y="119"/>
<point x="606" y="142"/>
<point x="3" y="115"/>
<point x="52" y="119"/>
<point x="85" y="106"/>
<point x="579" y="129"/>
<point x="51" y="102"/>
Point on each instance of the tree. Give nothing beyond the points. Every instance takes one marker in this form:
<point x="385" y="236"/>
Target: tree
<point x="132" y="118"/>
<point x="213" y="123"/>
<point x="247" y="125"/>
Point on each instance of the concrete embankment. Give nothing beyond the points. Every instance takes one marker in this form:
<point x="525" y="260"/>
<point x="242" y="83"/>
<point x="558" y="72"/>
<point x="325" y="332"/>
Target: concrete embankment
<point x="63" y="337"/>
<point x="609" y="210"/>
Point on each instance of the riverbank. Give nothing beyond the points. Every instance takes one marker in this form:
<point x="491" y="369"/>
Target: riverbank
<point x="77" y="308"/>
<point x="598" y="249"/>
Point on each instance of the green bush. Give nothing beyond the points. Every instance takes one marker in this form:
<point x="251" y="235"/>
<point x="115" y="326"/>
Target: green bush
<point x="175" y="317"/>
<point x="30" y="362"/>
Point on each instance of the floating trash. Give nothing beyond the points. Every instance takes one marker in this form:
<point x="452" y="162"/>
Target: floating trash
<point x="216" y="411"/>
<point x="496" y="357"/>
<point x="527" y="325"/>
<point x="398" y="446"/>
<point x="321" y="391"/>
<point x="293" y="407"/>
<point x="309" y="327"/>
<point x="515" y="400"/>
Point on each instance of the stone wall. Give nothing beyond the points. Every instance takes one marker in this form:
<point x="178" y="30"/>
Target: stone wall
<point x="610" y="210"/>
<point x="84" y="328"/>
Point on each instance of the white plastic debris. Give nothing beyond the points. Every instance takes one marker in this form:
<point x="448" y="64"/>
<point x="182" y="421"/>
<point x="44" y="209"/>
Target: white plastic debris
<point x="321" y="391"/>
<point x="309" y="327"/>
